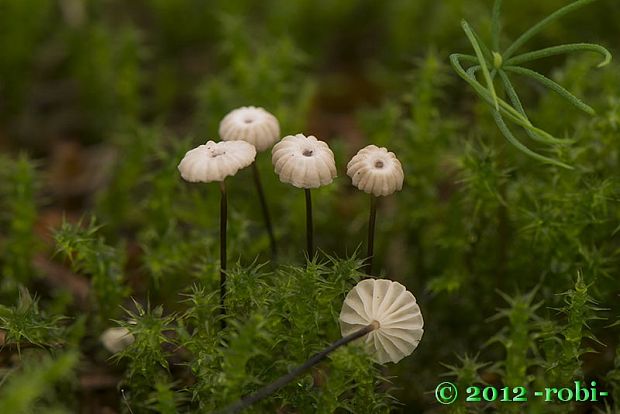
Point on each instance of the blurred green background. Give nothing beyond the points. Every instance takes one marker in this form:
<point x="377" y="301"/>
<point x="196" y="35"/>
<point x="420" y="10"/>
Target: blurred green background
<point x="75" y="70"/>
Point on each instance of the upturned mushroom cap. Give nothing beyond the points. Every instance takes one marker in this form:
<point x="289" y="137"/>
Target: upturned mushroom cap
<point x="376" y="171"/>
<point x="251" y="124"/>
<point x="116" y="339"/>
<point x="215" y="161"/>
<point x="304" y="162"/>
<point x="394" y="308"/>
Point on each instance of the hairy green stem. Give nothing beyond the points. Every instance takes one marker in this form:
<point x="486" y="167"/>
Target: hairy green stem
<point x="511" y="92"/>
<point x="505" y="108"/>
<point x="371" y="234"/>
<point x="516" y="102"/>
<point x="560" y="90"/>
<point x="514" y="141"/>
<point x="266" y="215"/>
<point x="514" y="99"/>
<point x="485" y="71"/>
<point x="496" y="25"/>
<point x="471" y="72"/>
<point x="466" y="58"/>
<point x="540" y="25"/>
<point x="269" y="389"/>
<point x="309" y="225"/>
<point x="562" y="49"/>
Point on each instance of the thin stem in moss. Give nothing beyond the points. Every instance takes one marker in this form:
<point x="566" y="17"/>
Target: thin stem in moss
<point x="223" y="228"/>
<point x="309" y="225"/>
<point x="269" y="389"/>
<point x="371" y="234"/>
<point x="264" y="207"/>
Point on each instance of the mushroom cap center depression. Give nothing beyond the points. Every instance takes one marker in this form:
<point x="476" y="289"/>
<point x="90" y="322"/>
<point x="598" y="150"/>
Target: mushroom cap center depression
<point x="308" y="153"/>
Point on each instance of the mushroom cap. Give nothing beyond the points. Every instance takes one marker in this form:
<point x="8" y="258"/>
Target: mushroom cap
<point x="116" y="339"/>
<point x="251" y="124"/>
<point x="395" y="308"/>
<point x="215" y="161"/>
<point x="304" y="162"/>
<point x="376" y="171"/>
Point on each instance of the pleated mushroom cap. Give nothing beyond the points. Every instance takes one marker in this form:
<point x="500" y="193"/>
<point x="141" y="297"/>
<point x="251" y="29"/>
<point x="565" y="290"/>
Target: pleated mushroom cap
<point x="251" y="124"/>
<point x="215" y="161"/>
<point x="390" y="304"/>
<point x="376" y="171"/>
<point x="304" y="162"/>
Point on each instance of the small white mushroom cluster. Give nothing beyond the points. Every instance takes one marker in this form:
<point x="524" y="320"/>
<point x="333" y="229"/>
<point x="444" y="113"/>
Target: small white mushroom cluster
<point x="299" y="160"/>
<point x="244" y="131"/>
<point x="306" y="162"/>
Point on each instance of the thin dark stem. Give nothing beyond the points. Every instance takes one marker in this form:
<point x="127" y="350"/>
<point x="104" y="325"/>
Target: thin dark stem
<point x="371" y="234"/>
<point x="223" y="225"/>
<point x="309" y="225"/>
<point x="126" y="401"/>
<point x="263" y="203"/>
<point x="269" y="389"/>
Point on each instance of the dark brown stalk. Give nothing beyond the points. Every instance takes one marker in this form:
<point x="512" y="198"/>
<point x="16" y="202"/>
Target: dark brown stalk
<point x="309" y="225"/>
<point x="269" y="389"/>
<point x="266" y="216"/>
<point x="371" y="234"/>
<point x="223" y="226"/>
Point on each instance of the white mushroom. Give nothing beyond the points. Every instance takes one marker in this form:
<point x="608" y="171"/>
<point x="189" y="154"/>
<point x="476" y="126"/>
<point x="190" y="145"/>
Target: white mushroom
<point x="304" y="162"/>
<point x="394" y="308"/>
<point x="261" y="129"/>
<point x="382" y="312"/>
<point x="215" y="161"/>
<point x="251" y="124"/>
<point x="376" y="171"/>
<point x="116" y="339"/>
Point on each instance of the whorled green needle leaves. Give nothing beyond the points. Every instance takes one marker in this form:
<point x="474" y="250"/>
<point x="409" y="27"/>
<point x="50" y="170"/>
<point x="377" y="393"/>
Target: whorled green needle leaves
<point x="540" y="25"/>
<point x="502" y="64"/>
<point x="485" y="71"/>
